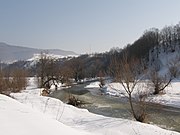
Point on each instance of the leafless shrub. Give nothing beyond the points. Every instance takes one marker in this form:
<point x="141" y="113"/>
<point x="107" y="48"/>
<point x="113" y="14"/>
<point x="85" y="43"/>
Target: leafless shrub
<point x="19" y="80"/>
<point x="140" y="107"/>
<point x="45" y="92"/>
<point x="1" y="82"/>
<point x="15" y="82"/>
<point x="174" y="67"/>
<point x="159" y="82"/>
<point x="127" y="72"/>
<point x="72" y="100"/>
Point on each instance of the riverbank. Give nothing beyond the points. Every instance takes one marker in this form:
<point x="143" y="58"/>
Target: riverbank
<point x="169" y="97"/>
<point x="19" y="119"/>
<point x="81" y="119"/>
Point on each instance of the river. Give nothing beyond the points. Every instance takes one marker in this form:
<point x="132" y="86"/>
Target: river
<point x="163" y="116"/>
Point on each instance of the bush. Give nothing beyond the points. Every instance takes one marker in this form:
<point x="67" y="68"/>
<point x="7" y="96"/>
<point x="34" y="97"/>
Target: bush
<point x="74" y="101"/>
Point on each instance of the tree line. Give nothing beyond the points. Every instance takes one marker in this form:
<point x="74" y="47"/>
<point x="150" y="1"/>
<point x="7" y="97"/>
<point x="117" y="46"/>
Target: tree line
<point x="93" y="65"/>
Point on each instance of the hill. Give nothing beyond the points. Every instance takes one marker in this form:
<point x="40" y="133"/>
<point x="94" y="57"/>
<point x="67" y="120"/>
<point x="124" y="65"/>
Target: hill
<point x="10" y="53"/>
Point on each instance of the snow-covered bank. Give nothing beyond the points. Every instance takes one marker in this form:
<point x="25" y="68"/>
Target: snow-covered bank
<point x="81" y="119"/>
<point x="18" y="119"/>
<point x="170" y="96"/>
<point x="93" y="85"/>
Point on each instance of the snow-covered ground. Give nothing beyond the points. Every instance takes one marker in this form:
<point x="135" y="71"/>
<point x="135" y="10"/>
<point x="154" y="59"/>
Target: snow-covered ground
<point x="93" y="85"/>
<point x="170" y="96"/>
<point x="20" y="119"/>
<point x="51" y="116"/>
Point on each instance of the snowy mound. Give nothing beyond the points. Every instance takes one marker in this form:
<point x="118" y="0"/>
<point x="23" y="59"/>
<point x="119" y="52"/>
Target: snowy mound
<point x="18" y="119"/>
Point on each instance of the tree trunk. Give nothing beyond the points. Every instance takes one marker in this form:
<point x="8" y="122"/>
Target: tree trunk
<point x="131" y="105"/>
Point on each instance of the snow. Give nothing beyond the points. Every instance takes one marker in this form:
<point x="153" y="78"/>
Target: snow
<point x="37" y="57"/>
<point x="93" y="85"/>
<point x="51" y="116"/>
<point x="165" y="59"/>
<point x="170" y="96"/>
<point x="19" y="119"/>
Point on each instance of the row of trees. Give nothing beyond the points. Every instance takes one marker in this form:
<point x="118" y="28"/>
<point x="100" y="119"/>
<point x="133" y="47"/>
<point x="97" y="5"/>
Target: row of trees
<point x="14" y="81"/>
<point x="86" y="66"/>
<point x="51" y="71"/>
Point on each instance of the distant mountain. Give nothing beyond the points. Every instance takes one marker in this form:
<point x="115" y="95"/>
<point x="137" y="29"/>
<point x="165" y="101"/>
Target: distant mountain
<point x="10" y="53"/>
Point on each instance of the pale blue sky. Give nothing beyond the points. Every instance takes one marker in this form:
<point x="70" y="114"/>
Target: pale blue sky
<point x="82" y="26"/>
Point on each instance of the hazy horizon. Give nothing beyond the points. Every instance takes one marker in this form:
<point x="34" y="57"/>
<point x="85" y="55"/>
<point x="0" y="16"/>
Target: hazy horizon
<point x="82" y="26"/>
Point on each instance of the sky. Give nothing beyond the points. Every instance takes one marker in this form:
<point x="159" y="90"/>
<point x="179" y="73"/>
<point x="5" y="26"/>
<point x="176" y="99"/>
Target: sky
<point x="82" y="26"/>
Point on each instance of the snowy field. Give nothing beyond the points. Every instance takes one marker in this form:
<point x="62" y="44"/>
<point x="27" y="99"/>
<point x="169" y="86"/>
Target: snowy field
<point x="47" y="115"/>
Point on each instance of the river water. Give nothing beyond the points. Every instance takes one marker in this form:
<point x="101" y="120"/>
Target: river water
<point x="163" y="116"/>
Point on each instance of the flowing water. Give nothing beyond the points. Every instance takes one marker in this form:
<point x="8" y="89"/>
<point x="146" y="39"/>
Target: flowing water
<point x="163" y="116"/>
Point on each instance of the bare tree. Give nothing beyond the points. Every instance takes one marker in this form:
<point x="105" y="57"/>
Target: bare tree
<point x="76" y="66"/>
<point x="128" y="74"/>
<point x="41" y="68"/>
<point x="159" y="82"/>
<point x="173" y="67"/>
<point x="66" y="74"/>
<point x="48" y="71"/>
